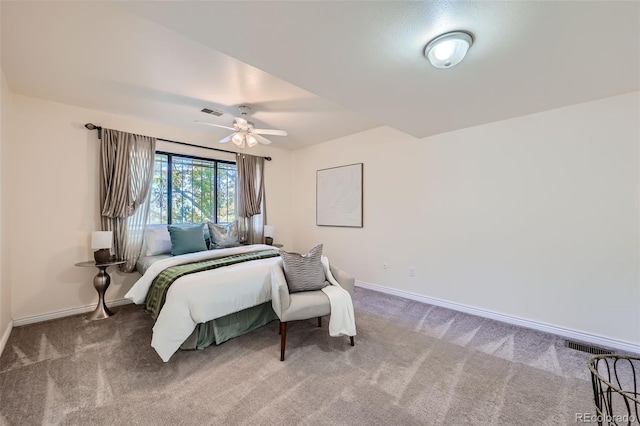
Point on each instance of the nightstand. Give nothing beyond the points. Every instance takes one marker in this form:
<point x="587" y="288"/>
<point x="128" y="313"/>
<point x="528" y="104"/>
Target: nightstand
<point x="101" y="283"/>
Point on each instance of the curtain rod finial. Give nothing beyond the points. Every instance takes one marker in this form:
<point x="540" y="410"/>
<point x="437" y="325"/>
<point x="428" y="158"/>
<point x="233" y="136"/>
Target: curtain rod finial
<point x="92" y="126"/>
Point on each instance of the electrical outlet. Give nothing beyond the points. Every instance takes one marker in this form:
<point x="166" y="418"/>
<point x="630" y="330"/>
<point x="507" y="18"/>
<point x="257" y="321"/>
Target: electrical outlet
<point x="385" y="266"/>
<point x="412" y="271"/>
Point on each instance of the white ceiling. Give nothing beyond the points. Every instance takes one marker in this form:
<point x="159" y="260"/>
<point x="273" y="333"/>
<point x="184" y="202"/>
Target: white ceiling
<point x="320" y="70"/>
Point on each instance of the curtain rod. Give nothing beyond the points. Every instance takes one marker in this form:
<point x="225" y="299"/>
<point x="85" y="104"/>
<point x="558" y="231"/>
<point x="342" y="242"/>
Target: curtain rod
<point x="92" y="126"/>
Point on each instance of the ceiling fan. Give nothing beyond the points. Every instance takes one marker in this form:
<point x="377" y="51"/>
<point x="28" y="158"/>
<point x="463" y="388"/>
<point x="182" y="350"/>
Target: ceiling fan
<point x="244" y="131"/>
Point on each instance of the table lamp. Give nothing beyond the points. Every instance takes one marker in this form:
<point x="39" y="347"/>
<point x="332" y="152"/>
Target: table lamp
<point x="102" y="241"/>
<point x="269" y="232"/>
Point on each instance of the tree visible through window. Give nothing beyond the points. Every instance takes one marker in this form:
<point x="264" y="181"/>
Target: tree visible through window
<point x="191" y="189"/>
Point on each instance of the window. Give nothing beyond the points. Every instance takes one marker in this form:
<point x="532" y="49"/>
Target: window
<point x="192" y="189"/>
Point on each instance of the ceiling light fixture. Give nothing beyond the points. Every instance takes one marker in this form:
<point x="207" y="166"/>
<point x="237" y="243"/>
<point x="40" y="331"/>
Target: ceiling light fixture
<point x="244" y="131"/>
<point x="449" y="49"/>
<point x="251" y="141"/>
<point x="238" y="139"/>
<point x="242" y="137"/>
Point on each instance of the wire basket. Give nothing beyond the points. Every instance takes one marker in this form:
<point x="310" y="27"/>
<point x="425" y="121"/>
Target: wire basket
<point x="615" y="389"/>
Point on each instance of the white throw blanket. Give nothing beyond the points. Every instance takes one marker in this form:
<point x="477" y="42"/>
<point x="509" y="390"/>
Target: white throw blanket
<point x="342" y="321"/>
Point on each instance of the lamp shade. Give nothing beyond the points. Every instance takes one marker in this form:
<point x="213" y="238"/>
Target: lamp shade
<point x="101" y="239"/>
<point x="269" y="231"/>
<point x="251" y="141"/>
<point x="238" y="139"/>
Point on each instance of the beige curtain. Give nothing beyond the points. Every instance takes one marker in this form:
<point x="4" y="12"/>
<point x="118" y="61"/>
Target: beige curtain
<point x="251" y="196"/>
<point x="127" y="162"/>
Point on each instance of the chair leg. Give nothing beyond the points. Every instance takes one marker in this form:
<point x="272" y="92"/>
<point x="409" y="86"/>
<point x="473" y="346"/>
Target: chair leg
<point x="283" y="339"/>
<point x="280" y="328"/>
<point x="319" y="321"/>
<point x="352" y="342"/>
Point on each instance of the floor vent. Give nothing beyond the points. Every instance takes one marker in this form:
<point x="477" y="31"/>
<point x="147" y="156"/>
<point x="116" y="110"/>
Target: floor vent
<point x="212" y="112"/>
<point x="586" y="348"/>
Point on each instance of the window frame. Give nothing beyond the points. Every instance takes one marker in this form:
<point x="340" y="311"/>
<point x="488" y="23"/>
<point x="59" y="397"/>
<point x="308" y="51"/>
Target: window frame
<point x="170" y="156"/>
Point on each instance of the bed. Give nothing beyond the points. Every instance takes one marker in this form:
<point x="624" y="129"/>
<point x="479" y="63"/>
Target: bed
<point x="209" y="306"/>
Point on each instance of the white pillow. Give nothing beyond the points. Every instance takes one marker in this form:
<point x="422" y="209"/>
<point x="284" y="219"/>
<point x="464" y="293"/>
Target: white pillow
<point x="157" y="240"/>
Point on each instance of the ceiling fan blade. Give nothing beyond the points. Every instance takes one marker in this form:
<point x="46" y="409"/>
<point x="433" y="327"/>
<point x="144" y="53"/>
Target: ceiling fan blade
<point x="261" y="139"/>
<point x="214" y="125"/>
<point x="273" y="132"/>
<point x="227" y="139"/>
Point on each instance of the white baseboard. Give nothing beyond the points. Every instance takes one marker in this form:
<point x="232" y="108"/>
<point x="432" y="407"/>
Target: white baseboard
<point x="582" y="336"/>
<point x="65" y="313"/>
<point x="5" y="337"/>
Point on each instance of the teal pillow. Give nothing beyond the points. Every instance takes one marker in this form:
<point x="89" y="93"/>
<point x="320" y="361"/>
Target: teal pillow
<point x="186" y="239"/>
<point x="205" y="230"/>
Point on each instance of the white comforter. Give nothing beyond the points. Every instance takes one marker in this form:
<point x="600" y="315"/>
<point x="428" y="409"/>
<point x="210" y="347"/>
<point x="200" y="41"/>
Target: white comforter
<point x="203" y="296"/>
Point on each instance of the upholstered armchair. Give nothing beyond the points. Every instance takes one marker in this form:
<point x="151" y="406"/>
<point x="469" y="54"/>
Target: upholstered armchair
<point x="302" y="305"/>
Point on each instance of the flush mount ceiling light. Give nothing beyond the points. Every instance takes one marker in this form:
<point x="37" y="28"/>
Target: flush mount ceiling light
<point x="448" y="50"/>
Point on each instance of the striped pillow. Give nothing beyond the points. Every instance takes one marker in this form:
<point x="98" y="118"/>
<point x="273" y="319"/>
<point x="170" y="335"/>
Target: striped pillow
<point x="304" y="272"/>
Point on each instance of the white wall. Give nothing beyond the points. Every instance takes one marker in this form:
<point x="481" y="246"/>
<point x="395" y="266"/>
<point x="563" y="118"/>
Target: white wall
<point x="534" y="217"/>
<point x="5" y="287"/>
<point x="52" y="194"/>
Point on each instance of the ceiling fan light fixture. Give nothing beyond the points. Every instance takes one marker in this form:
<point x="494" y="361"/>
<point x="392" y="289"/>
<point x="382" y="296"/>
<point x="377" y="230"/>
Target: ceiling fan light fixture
<point x="244" y="131"/>
<point x="449" y="49"/>
<point x="251" y="141"/>
<point x="238" y="139"/>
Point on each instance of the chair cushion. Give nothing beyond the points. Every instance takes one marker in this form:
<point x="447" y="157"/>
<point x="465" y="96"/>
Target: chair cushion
<point x="307" y="304"/>
<point x="304" y="272"/>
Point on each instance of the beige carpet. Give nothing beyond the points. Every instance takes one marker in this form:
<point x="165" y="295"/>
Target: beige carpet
<point x="413" y="364"/>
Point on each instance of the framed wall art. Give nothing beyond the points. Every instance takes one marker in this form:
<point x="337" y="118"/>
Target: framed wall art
<point x="339" y="196"/>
